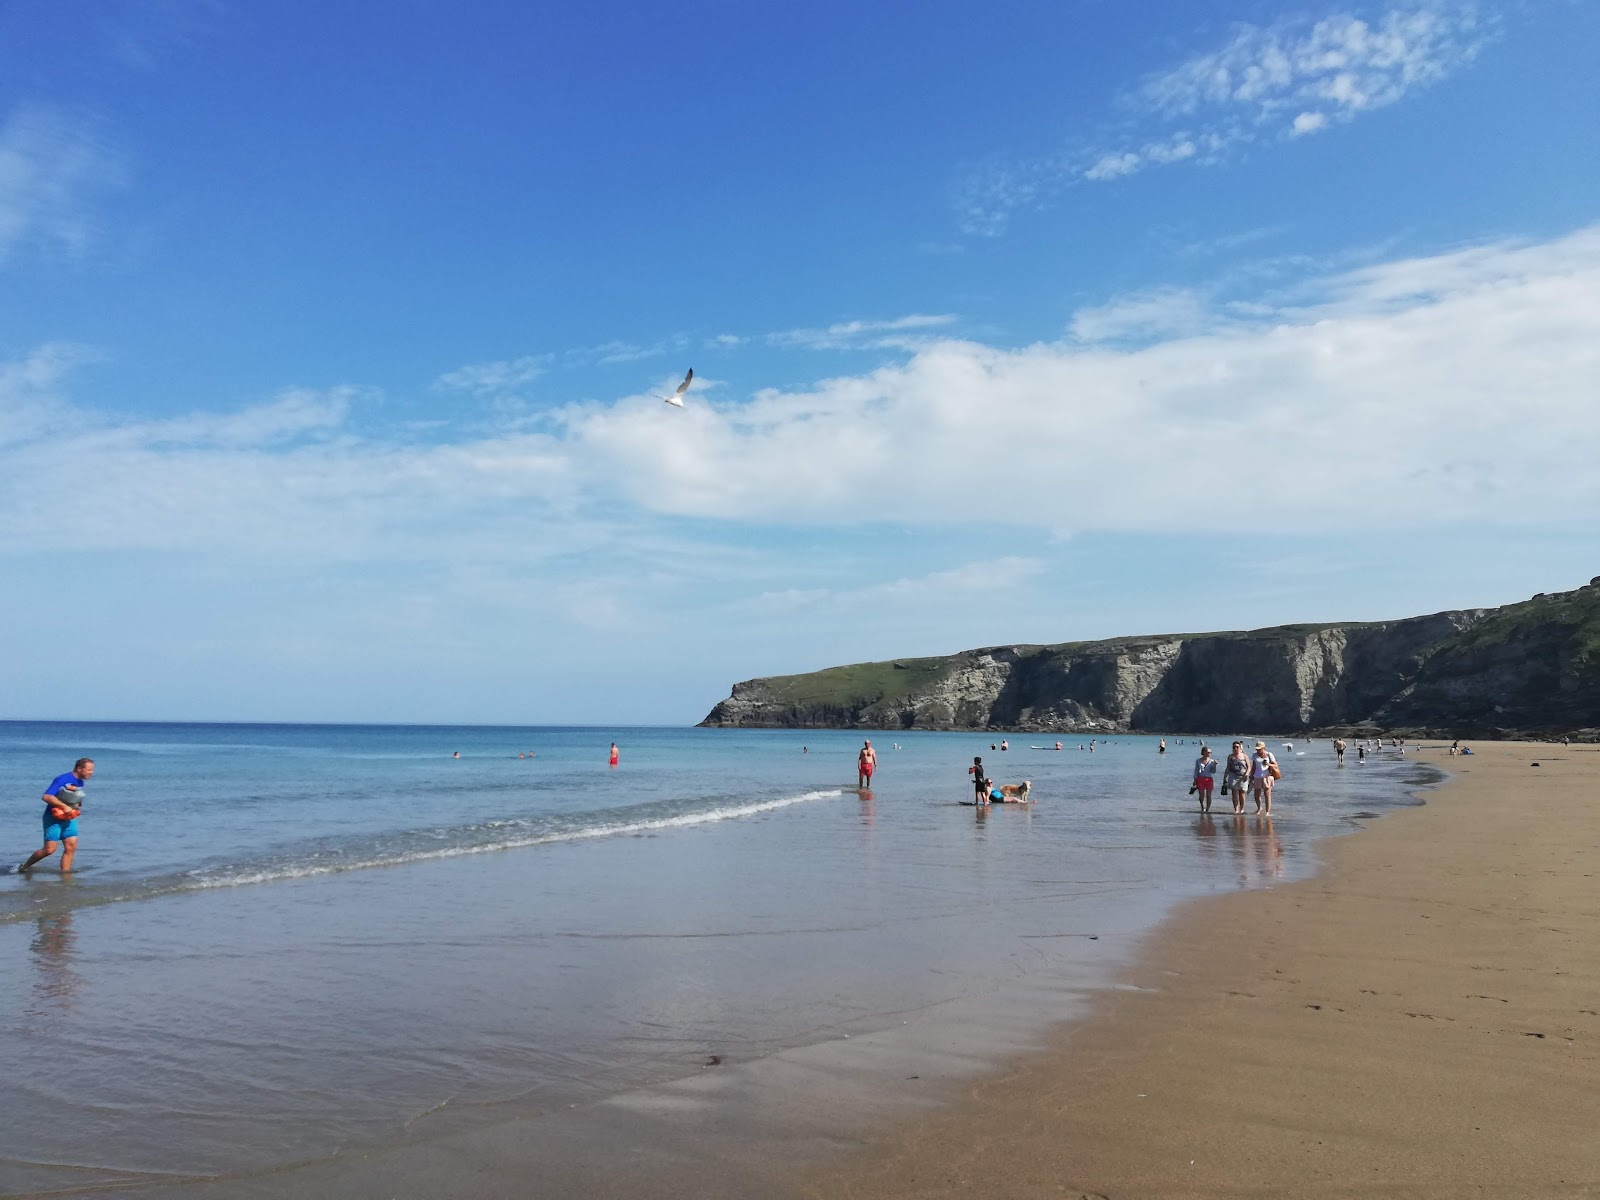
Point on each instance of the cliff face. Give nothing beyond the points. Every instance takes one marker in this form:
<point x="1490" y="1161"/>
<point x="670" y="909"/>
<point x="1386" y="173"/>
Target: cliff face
<point x="1526" y="668"/>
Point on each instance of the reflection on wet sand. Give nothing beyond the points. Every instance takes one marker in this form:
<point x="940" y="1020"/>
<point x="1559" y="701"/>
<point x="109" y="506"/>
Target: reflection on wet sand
<point x="1257" y="851"/>
<point x="56" y="984"/>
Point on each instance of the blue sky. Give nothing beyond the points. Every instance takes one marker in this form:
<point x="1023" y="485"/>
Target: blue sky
<point x="330" y="337"/>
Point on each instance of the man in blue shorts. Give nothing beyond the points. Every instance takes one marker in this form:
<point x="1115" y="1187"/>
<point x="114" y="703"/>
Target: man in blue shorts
<point x="62" y="801"/>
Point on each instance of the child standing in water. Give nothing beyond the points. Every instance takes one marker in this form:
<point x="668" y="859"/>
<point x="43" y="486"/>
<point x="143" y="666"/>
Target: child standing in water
<point x="980" y="785"/>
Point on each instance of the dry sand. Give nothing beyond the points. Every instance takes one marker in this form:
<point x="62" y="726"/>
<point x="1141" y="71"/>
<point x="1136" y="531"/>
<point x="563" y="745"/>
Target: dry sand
<point x="1419" y="1020"/>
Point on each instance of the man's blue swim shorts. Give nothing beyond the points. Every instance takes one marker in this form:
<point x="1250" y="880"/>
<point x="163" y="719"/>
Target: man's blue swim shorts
<point x="59" y="831"/>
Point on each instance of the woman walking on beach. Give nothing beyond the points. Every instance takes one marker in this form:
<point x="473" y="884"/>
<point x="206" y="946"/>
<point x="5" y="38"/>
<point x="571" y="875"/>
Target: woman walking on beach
<point x="1261" y="778"/>
<point x="1205" y="777"/>
<point x="1236" y="777"/>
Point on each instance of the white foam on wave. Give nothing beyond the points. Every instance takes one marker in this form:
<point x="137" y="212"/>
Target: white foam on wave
<point x="310" y="871"/>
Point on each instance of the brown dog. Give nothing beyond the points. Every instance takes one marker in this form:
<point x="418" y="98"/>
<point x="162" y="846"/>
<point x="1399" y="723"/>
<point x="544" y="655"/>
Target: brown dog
<point x="1016" y="791"/>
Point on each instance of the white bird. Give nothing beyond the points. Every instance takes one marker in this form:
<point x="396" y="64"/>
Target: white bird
<point x="676" y="399"/>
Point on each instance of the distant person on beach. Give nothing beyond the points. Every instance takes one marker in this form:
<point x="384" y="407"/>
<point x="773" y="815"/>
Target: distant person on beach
<point x="1261" y="778"/>
<point x="980" y="784"/>
<point x="1205" y="777"/>
<point x="866" y="764"/>
<point x="1004" y="745"/>
<point x="63" y="801"/>
<point x="616" y="754"/>
<point x="1162" y="748"/>
<point x="1338" y="749"/>
<point x="1361" y="753"/>
<point x="1236" y="776"/>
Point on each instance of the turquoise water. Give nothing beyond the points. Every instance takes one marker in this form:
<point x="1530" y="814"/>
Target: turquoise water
<point x="284" y="941"/>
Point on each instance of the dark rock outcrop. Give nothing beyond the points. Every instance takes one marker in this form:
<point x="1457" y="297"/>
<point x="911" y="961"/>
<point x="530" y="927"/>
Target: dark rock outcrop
<point x="1525" y="669"/>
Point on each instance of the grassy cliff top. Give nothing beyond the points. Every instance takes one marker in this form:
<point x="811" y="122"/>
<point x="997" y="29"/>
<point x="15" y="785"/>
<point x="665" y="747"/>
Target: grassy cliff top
<point x="1575" y="614"/>
<point x="860" y="683"/>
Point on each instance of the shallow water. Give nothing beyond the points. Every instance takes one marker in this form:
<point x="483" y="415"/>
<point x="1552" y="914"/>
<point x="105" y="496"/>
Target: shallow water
<point x="287" y="940"/>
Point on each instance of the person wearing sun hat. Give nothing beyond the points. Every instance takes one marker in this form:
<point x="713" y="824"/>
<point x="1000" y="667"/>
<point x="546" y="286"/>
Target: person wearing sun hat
<point x="1261" y="778"/>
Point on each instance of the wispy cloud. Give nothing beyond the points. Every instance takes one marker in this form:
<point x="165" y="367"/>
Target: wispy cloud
<point x="30" y="389"/>
<point x="984" y="576"/>
<point x="607" y="353"/>
<point x="1297" y="77"/>
<point x="1287" y="80"/>
<point x="51" y="168"/>
<point x="857" y="335"/>
<point x="494" y="379"/>
<point x="1148" y="315"/>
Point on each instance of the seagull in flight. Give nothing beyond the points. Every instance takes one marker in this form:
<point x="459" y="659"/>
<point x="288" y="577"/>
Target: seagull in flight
<point x="676" y="399"/>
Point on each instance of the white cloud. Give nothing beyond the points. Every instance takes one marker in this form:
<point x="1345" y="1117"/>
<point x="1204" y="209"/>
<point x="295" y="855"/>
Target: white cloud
<point x="1354" y="63"/>
<point x="1426" y="391"/>
<point x="935" y="586"/>
<point x="1267" y="83"/>
<point x="608" y="353"/>
<point x="1449" y="388"/>
<point x="491" y="379"/>
<point x="1326" y="71"/>
<point x="985" y="196"/>
<point x="50" y="168"/>
<point x="1158" y="313"/>
<point x="1114" y="166"/>
<point x="30" y="389"/>
<point x="853" y="335"/>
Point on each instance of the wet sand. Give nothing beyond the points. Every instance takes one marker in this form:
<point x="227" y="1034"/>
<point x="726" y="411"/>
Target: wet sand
<point x="1419" y="1020"/>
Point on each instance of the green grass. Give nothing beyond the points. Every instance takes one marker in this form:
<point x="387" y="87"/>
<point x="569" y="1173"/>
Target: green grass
<point x="1577" y="612"/>
<point x="861" y="683"/>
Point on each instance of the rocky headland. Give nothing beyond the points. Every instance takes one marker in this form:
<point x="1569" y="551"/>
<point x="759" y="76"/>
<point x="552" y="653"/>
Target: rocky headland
<point x="1524" y="670"/>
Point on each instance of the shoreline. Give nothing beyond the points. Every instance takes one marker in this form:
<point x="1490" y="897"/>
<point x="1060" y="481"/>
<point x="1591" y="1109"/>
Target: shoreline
<point x="1417" y="1018"/>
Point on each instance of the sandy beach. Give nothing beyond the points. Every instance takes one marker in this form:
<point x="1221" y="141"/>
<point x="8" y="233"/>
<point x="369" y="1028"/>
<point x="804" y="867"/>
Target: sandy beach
<point x="1420" y="1020"/>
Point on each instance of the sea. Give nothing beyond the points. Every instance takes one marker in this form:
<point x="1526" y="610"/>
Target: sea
<point x="286" y="943"/>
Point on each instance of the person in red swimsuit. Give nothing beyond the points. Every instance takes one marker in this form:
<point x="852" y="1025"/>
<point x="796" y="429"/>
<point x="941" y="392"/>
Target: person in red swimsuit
<point x="866" y="764"/>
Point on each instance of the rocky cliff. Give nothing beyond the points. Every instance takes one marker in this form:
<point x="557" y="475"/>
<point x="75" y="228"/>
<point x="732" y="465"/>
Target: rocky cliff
<point x="1525" y="669"/>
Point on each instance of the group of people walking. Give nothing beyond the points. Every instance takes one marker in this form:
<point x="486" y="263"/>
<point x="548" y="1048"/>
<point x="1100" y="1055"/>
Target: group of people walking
<point x="1241" y="772"/>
